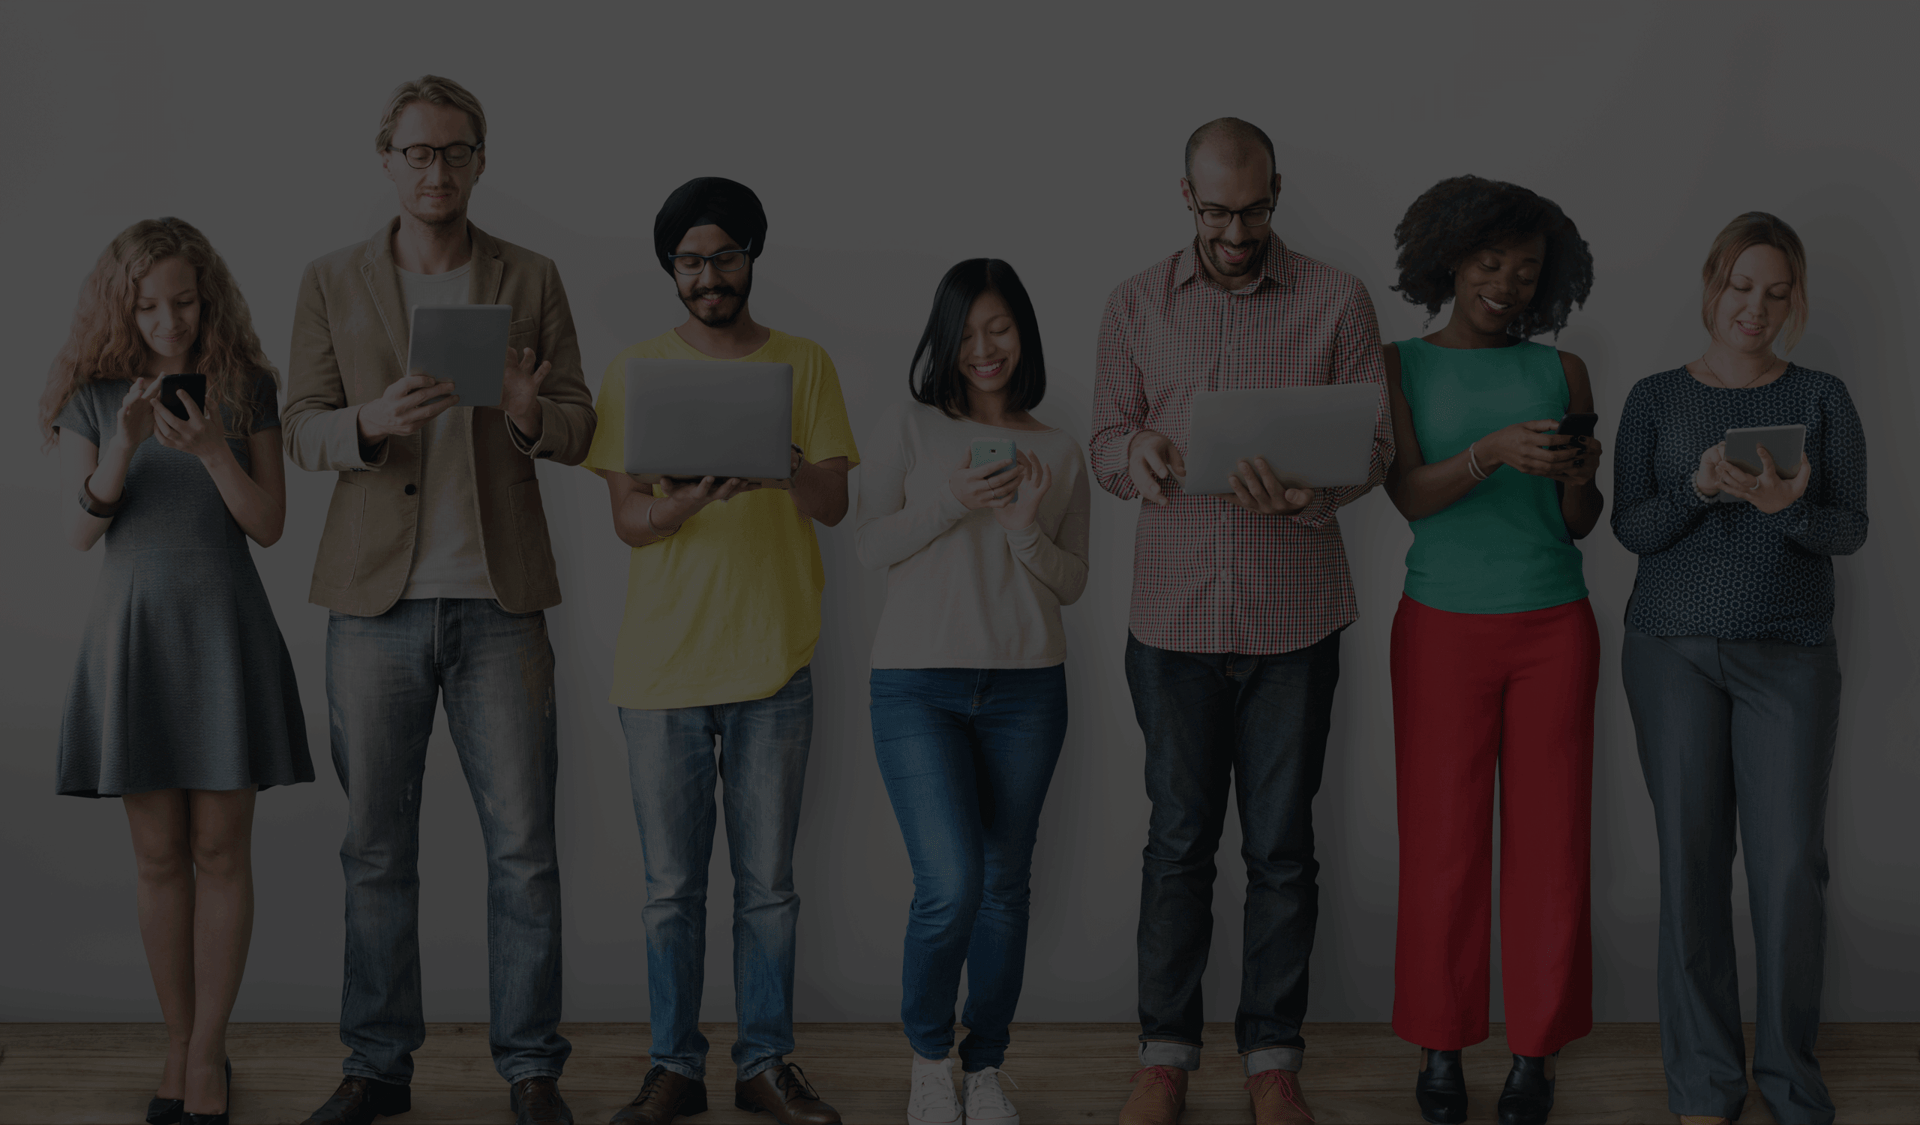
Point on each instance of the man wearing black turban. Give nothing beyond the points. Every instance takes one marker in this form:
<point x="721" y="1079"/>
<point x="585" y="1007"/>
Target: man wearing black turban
<point x="723" y="612"/>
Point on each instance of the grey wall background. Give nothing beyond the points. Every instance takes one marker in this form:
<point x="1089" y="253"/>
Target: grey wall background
<point x="888" y="144"/>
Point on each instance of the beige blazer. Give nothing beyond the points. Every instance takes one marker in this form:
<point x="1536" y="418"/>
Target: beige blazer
<point x="349" y="342"/>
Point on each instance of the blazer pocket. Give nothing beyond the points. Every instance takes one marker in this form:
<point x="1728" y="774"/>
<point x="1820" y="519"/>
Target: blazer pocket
<point x="530" y="529"/>
<point x="522" y="333"/>
<point x="340" y="541"/>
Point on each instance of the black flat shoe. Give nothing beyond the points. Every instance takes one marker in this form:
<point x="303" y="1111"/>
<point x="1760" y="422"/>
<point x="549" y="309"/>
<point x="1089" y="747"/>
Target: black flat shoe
<point x="1441" y="1088"/>
<point x="220" y="1118"/>
<point x="1528" y="1095"/>
<point x="165" y="1111"/>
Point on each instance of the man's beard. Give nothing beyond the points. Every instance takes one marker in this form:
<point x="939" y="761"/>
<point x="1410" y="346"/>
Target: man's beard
<point x="1247" y="268"/>
<point x="717" y="318"/>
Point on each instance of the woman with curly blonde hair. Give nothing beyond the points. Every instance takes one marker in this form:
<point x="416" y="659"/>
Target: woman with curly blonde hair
<point x="183" y="700"/>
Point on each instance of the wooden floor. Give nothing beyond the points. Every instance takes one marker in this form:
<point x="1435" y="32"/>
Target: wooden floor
<point x="55" y="1073"/>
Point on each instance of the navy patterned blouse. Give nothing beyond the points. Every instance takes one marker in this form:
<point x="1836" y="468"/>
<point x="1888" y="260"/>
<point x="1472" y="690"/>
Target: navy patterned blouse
<point x="1727" y="569"/>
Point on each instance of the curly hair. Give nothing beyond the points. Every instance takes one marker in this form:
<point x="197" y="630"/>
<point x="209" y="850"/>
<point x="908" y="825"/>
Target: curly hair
<point x="105" y="342"/>
<point x="1458" y="216"/>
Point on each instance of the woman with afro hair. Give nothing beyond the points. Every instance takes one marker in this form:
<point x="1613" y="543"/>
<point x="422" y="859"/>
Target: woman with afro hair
<point x="1495" y="655"/>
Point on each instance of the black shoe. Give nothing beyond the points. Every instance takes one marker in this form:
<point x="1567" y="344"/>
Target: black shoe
<point x="1441" y="1088"/>
<point x="664" y="1095"/>
<point x="165" y="1111"/>
<point x="1528" y="1095"/>
<point x="359" y="1100"/>
<point x="187" y="1118"/>
<point x="536" y="1101"/>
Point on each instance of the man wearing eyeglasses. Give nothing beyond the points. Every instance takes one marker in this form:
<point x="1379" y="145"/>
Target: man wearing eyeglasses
<point x="723" y="610"/>
<point x="436" y="566"/>
<point x="1238" y="602"/>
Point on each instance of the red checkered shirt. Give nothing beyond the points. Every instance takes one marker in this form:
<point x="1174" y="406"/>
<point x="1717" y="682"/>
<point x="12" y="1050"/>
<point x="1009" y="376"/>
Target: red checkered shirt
<point x="1208" y="575"/>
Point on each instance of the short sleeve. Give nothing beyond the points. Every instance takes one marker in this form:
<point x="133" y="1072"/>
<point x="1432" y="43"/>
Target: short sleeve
<point x="80" y="414"/>
<point x="608" y="453"/>
<point x="266" y="403"/>
<point x="821" y="425"/>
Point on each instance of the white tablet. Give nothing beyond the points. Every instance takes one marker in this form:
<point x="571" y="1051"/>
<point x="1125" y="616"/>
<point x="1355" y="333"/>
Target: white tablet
<point x="1312" y="437"/>
<point x="462" y="344"/>
<point x="694" y="418"/>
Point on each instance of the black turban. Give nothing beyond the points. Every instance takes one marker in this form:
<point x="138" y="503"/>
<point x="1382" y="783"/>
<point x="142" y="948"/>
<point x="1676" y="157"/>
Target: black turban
<point x="726" y="204"/>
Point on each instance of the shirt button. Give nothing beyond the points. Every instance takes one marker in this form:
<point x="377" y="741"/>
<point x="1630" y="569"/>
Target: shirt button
<point x="411" y="490"/>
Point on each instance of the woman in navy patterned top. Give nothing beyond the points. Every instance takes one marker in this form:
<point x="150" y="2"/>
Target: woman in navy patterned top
<point x="1732" y="674"/>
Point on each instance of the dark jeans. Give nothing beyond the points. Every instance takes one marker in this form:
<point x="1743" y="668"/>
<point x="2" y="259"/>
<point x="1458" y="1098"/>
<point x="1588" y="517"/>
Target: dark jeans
<point x="1738" y="734"/>
<point x="1259" y="724"/>
<point x="493" y="670"/>
<point x="761" y="770"/>
<point x="967" y="755"/>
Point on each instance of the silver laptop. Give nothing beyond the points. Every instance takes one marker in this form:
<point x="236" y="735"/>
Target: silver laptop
<point x="1312" y="437"/>
<point x="694" y="418"/>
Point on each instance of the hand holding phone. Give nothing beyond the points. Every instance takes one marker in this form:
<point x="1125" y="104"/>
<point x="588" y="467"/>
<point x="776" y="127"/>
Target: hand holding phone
<point x="194" y="384"/>
<point x="974" y="483"/>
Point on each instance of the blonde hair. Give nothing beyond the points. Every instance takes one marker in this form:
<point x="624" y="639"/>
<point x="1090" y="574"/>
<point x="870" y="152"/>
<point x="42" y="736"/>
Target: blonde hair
<point x="434" y="90"/>
<point x="1757" y="228"/>
<point x="105" y="341"/>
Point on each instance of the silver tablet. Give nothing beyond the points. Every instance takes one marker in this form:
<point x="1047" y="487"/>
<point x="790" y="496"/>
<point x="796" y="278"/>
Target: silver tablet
<point x="1312" y="437"/>
<point x="1787" y="445"/>
<point x="709" y="417"/>
<point x="462" y="344"/>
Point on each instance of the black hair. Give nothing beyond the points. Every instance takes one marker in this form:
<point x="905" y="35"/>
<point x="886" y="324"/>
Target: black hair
<point x="1240" y="135"/>
<point x="934" y="376"/>
<point x="1458" y="216"/>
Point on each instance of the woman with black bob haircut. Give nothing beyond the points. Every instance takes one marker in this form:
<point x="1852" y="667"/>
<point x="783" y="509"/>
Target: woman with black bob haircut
<point x="978" y="513"/>
<point x="1495" y="655"/>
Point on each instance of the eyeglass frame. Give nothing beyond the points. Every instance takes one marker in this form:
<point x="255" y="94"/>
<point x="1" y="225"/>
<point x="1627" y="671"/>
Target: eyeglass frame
<point x="1270" y="206"/>
<point x="439" y="153"/>
<point x="706" y="259"/>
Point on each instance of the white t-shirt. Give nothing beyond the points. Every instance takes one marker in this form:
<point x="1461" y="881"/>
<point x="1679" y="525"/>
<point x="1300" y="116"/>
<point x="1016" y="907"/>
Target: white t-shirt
<point x="962" y="591"/>
<point x="448" y="560"/>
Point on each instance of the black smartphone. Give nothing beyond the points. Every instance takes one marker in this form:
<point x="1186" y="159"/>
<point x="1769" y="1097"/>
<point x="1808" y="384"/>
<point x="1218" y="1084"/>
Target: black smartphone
<point x="194" y="385"/>
<point x="1575" y="425"/>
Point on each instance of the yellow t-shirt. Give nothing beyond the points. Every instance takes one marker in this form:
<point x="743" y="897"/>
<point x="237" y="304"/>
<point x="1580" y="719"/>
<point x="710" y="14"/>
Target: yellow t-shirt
<point x="728" y="609"/>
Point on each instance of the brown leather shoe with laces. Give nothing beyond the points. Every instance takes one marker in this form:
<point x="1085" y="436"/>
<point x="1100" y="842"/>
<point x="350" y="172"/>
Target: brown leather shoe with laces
<point x="664" y="1095"/>
<point x="1159" y="1094"/>
<point x="536" y="1101"/>
<point x="1277" y="1099"/>
<point x="784" y="1092"/>
<point x="359" y="1100"/>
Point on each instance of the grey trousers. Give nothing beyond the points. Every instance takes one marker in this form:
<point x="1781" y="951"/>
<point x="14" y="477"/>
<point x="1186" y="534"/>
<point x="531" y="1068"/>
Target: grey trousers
<point x="1738" y="732"/>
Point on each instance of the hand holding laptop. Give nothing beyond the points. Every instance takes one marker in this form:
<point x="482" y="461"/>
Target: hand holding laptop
<point x="1152" y="458"/>
<point x="1256" y="489"/>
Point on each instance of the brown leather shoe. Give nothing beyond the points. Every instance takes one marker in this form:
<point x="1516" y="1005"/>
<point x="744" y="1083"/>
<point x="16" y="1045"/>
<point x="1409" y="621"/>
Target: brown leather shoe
<point x="357" y="1101"/>
<point x="1277" y="1099"/>
<point x="784" y="1092"/>
<point x="1159" y="1094"/>
<point x="1696" y="1119"/>
<point x="664" y="1095"/>
<point x="536" y="1101"/>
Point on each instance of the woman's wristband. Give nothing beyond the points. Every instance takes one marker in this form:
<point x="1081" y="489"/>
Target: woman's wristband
<point x="94" y="506"/>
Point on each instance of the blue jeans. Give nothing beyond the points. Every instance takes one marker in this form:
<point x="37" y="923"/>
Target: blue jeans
<point x="967" y="755"/>
<point x="1258" y="724"/>
<point x="1738" y="734"/>
<point x="493" y="670"/>
<point x="762" y="762"/>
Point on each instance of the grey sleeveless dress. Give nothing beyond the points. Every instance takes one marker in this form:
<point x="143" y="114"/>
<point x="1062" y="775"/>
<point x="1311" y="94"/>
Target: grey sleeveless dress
<point x="183" y="680"/>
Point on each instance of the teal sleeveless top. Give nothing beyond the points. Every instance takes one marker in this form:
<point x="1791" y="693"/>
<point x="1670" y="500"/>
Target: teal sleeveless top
<point x="1504" y="547"/>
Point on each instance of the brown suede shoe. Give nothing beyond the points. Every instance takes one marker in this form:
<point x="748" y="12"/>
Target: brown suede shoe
<point x="1277" y="1099"/>
<point x="664" y="1095"/>
<point x="1159" y="1094"/>
<point x="784" y="1092"/>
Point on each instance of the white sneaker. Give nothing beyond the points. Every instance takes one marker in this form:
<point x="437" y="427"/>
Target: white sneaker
<point x="932" y="1101"/>
<point x="987" y="1104"/>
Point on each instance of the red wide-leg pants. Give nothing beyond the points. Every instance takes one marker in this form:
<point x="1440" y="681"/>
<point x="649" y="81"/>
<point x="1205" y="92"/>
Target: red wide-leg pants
<point x="1472" y="692"/>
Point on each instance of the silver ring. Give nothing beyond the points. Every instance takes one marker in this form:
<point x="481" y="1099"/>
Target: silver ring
<point x="1754" y="487"/>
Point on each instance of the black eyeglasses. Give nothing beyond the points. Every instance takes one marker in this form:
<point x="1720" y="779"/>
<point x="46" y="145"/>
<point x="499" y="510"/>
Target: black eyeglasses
<point x="726" y="261"/>
<point x="1220" y="217"/>
<point x="456" y="155"/>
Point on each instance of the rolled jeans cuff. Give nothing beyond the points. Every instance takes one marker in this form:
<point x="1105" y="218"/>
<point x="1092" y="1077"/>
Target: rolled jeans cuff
<point x="1273" y="1058"/>
<point x="1166" y="1052"/>
<point x="753" y="1070"/>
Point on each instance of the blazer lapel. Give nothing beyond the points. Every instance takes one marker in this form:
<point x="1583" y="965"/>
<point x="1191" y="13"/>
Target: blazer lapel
<point x="483" y="283"/>
<point x="377" y="268"/>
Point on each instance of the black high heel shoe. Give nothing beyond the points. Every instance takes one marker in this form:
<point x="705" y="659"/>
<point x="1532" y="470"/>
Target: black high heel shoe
<point x="1528" y="1095"/>
<point x="220" y="1118"/>
<point x="1441" y="1088"/>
